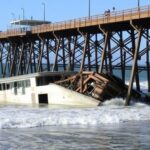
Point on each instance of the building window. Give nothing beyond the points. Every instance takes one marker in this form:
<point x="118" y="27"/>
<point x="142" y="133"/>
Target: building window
<point x="15" y="88"/>
<point x="12" y="85"/>
<point x="19" y="84"/>
<point x="0" y="87"/>
<point x="4" y="86"/>
<point x="7" y="86"/>
<point x="28" y="83"/>
<point x="23" y="87"/>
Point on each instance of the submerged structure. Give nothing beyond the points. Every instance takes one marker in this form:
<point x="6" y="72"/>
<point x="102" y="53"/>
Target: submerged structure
<point x="38" y="88"/>
<point x="101" y="43"/>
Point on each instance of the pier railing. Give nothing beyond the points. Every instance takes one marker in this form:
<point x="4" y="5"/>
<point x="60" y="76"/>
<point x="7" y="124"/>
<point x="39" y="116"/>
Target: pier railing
<point x="112" y="17"/>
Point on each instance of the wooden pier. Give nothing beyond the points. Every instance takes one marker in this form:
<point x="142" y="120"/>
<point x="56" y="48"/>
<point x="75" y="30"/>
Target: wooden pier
<point x="104" y="41"/>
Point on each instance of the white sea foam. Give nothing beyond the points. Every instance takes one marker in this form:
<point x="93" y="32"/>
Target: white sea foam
<point x="111" y="112"/>
<point x="143" y="85"/>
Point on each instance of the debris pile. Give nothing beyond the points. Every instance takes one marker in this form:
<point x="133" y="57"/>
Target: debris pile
<point x="98" y="86"/>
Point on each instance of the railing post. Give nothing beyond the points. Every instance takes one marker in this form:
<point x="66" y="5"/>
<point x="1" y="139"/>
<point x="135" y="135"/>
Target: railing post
<point x="139" y="12"/>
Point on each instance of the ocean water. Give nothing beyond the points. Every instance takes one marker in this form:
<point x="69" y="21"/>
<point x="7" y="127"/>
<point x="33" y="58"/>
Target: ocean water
<point x="111" y="126"/>
<point x="123" y="136"/>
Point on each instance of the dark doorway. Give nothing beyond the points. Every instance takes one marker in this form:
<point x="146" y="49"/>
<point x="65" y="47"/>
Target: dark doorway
<point x="43" y="99"/>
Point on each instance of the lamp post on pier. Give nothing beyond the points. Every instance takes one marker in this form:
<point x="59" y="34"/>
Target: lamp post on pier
<point x="13" y="15"/>
<point x="22" y="13"/>
<point x="138" y="4"/>
<point x="44" y="10"/>
<point x="89" y="8"/>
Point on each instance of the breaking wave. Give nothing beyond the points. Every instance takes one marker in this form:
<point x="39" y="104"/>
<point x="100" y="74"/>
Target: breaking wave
<point x="112" y="111"/>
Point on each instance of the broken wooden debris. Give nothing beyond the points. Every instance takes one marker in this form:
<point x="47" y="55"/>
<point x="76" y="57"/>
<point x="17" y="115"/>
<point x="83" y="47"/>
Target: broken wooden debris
<point x="99" y="86"/>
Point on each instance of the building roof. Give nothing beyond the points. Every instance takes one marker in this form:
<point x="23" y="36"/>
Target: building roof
<point x="34" y="75"/>
<point x="27" y="22"/>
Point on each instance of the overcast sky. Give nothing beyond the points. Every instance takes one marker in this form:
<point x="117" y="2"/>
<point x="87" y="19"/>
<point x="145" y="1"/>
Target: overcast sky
<point x="59" y="10"/>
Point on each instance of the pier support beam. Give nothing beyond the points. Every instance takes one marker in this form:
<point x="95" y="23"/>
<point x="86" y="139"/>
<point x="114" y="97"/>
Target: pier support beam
<point x="8" y="50"/>
<point x="122" y="58"/>
<point x="85" y="36"/>
<point x="134" y="64"/>
<point x="47" y="55"/>
<point x="133" y="51"/>
<point x="109" y="57"/>
<point x="29" y="62"/>
<point x="41" y="49"/>
<point x="103" y="57"/>
<point x="57" y="43"/>
<point x="96" y="53"/>
<point x="1" y="57"/>
<point x="73" y="53"/>
<point x="148" y="59"/>
<point x="19" y="71"/>
<point x="84" y="53"/>
<point x="13" y="63"/>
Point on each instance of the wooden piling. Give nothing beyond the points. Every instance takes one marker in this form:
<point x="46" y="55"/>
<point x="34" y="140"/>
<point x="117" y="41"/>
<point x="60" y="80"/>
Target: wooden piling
<point x="134" y="64"/>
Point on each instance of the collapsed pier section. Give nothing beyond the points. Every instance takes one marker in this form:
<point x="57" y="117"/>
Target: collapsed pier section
<point x="100" y="86"/>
